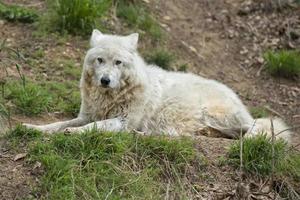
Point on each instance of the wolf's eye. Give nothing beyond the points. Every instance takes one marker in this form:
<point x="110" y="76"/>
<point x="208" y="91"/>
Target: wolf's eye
<point x="118" y="62"/>
<point x="100" y="60"/>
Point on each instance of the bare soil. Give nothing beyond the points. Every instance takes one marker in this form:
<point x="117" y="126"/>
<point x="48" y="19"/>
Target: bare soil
<point x="16" y="178"/>
<point x="219" y="39"/>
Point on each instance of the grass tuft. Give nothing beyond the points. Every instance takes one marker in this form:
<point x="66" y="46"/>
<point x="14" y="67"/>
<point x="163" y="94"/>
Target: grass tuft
<point x="285" y="63"/>
<point x="258" y="112"/>
<point x="16" y="13"/>
<point x="136" y="16"/>
<point x="65" y="97"/>
<point x="71" y="104"/>
<point x="98" y="165"/>
<point x="22" y="133"/>
<point x="21" y="136"/>
<point x="183" y="67"/>
<point x="129" y="13"/>
<point x="76" y="16"/>
<point x="161" y="58"/>
<point x="29" y="99"/>
<point x="257" y="157"/>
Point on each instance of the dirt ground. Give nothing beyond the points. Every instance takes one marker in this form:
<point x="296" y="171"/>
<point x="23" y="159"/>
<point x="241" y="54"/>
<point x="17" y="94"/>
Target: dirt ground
<point x="219" y="39"/>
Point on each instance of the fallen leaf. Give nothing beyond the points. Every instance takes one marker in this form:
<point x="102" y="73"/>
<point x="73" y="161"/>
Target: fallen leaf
<point x="20" y="156"/>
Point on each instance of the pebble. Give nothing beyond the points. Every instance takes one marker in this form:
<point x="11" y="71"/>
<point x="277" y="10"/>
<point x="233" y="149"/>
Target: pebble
<point x="168" y="18"/>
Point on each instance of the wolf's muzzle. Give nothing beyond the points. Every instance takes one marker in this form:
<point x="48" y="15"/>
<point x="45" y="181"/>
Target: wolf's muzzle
<point x="105" y="81"/>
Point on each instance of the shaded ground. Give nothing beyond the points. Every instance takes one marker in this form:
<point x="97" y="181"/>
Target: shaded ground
<point x="217" y="43"/>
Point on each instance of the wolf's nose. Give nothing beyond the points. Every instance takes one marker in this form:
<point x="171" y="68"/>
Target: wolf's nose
<point x="105" y="81"/>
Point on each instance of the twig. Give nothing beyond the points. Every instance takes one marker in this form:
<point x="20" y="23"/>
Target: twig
<point x="273" y="154"/>
<point x="259" y="70"/>
<point x="273" y="111"/>
<point x="252" y="127"/>
<point x="110" y="192"/>
<point x="295" y="146"/>
<point x="168" y="189"/>
<point x="241" y="154"/>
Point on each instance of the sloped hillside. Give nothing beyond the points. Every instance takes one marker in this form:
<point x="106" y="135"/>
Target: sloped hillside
<point x="42" y="46"/>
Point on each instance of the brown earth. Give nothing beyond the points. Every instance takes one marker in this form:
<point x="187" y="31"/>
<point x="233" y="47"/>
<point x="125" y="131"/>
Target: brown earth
<point x="219" y="39"/>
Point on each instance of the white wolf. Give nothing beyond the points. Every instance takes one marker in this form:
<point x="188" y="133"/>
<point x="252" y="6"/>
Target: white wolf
<point x="120" y="92"/>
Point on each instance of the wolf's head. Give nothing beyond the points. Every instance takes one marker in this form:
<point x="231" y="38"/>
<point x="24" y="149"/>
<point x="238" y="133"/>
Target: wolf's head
<point x="109" y="64"/>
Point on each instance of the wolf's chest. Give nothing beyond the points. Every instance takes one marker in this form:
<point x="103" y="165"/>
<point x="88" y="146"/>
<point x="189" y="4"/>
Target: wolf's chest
<point x="102" y="107"/>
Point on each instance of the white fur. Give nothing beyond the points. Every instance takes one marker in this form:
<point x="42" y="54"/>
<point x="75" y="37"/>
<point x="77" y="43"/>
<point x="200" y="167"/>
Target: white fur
<point x="151" y="100"/>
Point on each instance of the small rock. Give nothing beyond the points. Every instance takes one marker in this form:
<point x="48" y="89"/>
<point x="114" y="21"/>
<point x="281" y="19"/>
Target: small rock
<point x="208" y="20"/>
<point x="231" y="33"/>
<point x="258" y="18"/>
<point x="244" y="51"/>
<point x="260" y="60"/>
<point x="168" y="18"/>
<point x="275" y="41"/>
<point x="247" y="61"/>
<point x="164" y="25"/>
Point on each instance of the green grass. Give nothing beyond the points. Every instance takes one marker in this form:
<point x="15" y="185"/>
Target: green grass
<point x="129" y="13"/>
<point x="38" y="54"/>
<point x="65" y="97"/>
<point x="257" y="157"/>
<point x="22" y="136"/>
<point x="137" y="17"/>
<point x="183" y="67"/>
<point x="77" y="17"/>
<point x="149" y="25"/>
<point x="70" y="69"/>
<point x="285" y="63"/>
<point x="258" y="112"/>
<point x="30" y="99"/>
<point x="161" y="58"/>
<point x="36" y="98"/>
<point x="98" y="165"/>
<point x="17" y="13"/>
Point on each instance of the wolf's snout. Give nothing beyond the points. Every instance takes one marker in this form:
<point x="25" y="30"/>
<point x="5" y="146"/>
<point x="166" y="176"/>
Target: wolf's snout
<point x="105" y="81"/>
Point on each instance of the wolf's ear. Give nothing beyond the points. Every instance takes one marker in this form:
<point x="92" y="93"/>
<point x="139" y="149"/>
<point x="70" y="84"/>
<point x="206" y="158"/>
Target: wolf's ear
<point x="132" y="40"/>
<point x="96" y="36"/>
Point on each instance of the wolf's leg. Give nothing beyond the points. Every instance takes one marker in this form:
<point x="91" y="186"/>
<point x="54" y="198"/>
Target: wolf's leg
<point x="58" y="126"/>
<point x="115" y="124"/>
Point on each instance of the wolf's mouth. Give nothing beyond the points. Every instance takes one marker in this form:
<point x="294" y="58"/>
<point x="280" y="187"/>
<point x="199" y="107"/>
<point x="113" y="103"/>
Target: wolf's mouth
<point x="105" y="86"/>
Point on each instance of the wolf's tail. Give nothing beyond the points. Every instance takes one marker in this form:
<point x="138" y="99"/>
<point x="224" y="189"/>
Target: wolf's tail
<point x="263" y="125"/>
